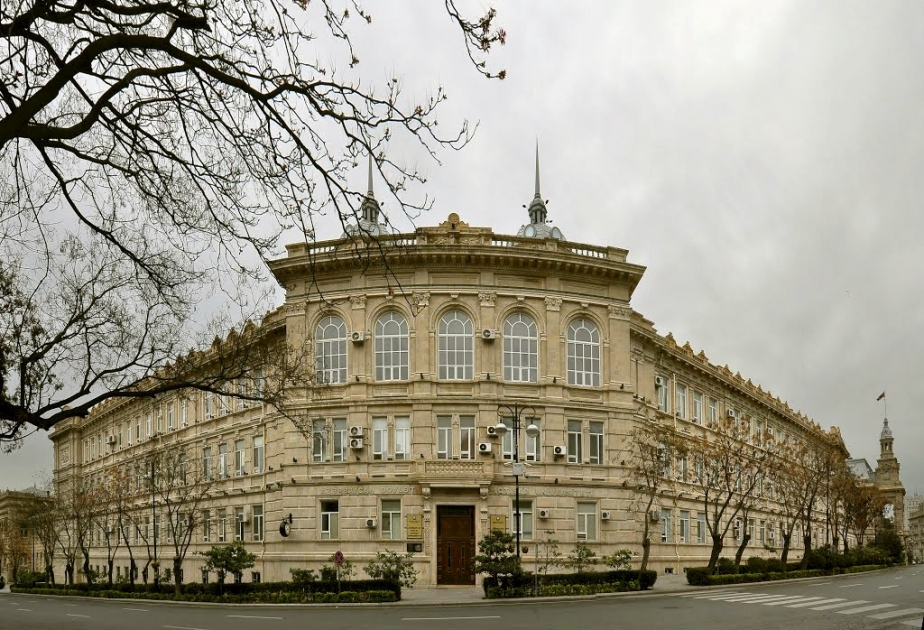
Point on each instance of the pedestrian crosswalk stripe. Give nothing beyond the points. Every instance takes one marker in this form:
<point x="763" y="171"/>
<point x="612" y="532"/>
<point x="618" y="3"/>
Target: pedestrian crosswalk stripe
<point x="856" y="602"/>
<point x="718" y="597"/>
<point x="898" y="613"/>
<point x="791" y="600"/>
<point x="722" y="592"/>
<point x="910" y="622"/>
<point x="824" y="601"/>
<point x="855" y="611"/>
<point x="755" y="599"/>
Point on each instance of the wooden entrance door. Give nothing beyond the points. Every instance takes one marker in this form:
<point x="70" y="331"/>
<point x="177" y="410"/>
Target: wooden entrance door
<point x="455" y="544"/>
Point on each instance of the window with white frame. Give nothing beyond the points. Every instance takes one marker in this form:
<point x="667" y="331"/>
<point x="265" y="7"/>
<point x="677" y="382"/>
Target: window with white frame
<point x="700" y="463"/>
<point x="751" y="529"/>
<point x="586" y="521"/>
<point x="330" y="520"/>
<point x="319" y="440"/>
<point x="761" y="531"/>
<point x="257" y="383"/>
<point x="379" y="438"/>
<point x="444" y="437"/>
<point x="239" y="457"/>
<point x="182" y="467"/>
<point x="697" y="408"/>
<point x="391" y="519"/>
<point x="596" y="443"/>
<point x="701" y="528"/>
<point x="456" y="349"/>
<point x="713" y="412"/>
<point x="239" y="523"/>
<point x="666" y="525"/>
<point x="207" y="463"/>
<point x="664" y="396"/>
<point x="160" y="419"/>
<point x="222" y="525"/>
<point x="525" y="524"/>
<point x="533" y="444"/>
<point x="507" y="440"/>
<point x="149" y="424"/>
<point x="684" y="526"/>
<point x="339" y="445"/>
<point x="86" y="451"/>
<point x="583" y="353"/>
<point x="331" y="350"/>
<point x="222" y="461"/>
<point x="402" y="437"/>
<point x="258" y="453"/>
<point x="257" y="519"/>
<point x="466" y="437"/>
<point x="207" y="407"/>
<point x="184" y="412"/>
<point x="680" y="401"/>
<point x="683" y="467"/>
<point x="206" y="526"/>
<point x="521" y="349"/>
<point x="170" y="410"/>
<point x="391" y="347"/>
<point x="138" y="429"/>
<point x="574" y="442"/>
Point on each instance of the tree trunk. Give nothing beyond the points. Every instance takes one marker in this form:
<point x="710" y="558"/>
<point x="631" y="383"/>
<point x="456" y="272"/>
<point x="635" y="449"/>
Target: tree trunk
<point x="716" y="551"/>
<point x="132" y="569"/>
<point x="784" y="555"/>
<point x="50" y="574"/>
<point x="646" y="550"/>
<point x="745" y="539"/>
<point x="177" y="574"/>
<point x="807" y="547"/>
<point x="86" y="568"/>
<point x="110" y="563"/>
<point x="69" y="573"/>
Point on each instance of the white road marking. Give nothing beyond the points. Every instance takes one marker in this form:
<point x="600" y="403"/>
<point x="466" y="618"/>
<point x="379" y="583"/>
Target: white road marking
<point x="898" y="613"/>
<point x="183" y="628"/>
<point x="24" y="609"/>
<point x="824" y="601"/>
<point x="819" y="584"/>
<point x="911" y="622"/>
<point x="852" y="585"/>
<point x="748" y="599"/>
<point x="76" y="615"/>
<point x="71" y="605"/>
<point x="251" y="617"/>
<point x="448" y="618"/>
<point x="137" y="609"/>
<point x="856" y="602"/>
<point x="892" y="586"/>
<point x="718" y="597"/>
<point x="719" y="592"/>
<point x="792" y="600"/>
<point x="857" y="611"/>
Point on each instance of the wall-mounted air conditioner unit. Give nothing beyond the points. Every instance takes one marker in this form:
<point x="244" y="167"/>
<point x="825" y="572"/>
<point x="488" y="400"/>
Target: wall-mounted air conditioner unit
<point x="559" y="451"/>
<point x="544" y="513"/>
<point x="358" y="336"/>
<point x="654" y="516"/>
<point x="111" y="439"/>
<point x="489" y="334"/>
<point x="660" y="381"/>
<point x="731" y="413"/>
<point x="356" y="443"/>
<point x="491" y="431"/>
<point x="605" y="515"/>
<point x="370" y="523"/>
<point x="356" y="431"/>
<point x="484" y="447"/>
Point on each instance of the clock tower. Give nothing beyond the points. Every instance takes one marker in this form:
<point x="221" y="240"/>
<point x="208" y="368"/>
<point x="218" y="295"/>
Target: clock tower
<point x="887" y="477"/>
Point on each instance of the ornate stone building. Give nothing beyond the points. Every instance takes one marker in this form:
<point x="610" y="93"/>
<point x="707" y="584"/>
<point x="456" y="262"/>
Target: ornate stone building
<point x="419" y="339"/>
<point x="886" y="478"/>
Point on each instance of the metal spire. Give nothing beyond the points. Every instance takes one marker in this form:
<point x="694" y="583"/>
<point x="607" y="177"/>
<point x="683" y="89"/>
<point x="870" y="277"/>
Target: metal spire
<point x="370" y="207"/>
<point x="538" y="196"/>
<point x="370" y="193"/>
<point x="537" y="209"/>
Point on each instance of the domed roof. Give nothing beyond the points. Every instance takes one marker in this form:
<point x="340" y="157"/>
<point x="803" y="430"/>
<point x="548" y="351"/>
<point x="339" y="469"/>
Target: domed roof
<point x="886" y="431"/>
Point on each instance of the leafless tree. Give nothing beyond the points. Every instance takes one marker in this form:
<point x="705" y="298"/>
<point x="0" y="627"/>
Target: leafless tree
<point x="152" y="151"/>
<point x="76" y="502"/>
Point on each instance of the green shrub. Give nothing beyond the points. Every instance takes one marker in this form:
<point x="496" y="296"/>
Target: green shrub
<point x="725" y="566"/>
<point x="582" y="558"/>
<point x="699" y="576"/>
<point x="303" y="576"/>
<point x="522" y="585"/>
<point x="393" y="566"/>
<point x="774" y="565"/>
<point x="28" y="579"/>
<point x="755" y="564"/>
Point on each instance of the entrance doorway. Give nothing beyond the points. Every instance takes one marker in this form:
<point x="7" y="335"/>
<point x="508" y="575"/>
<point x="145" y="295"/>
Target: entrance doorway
<point x="455" y="544"/>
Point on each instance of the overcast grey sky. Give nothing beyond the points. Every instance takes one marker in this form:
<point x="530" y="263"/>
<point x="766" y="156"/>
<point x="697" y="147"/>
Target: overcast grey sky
<point x="762" y="160"/>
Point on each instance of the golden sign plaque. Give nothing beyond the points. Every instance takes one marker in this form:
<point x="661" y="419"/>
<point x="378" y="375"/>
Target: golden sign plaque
<point x="415" y="526"/>
<point x="499" y="522"/>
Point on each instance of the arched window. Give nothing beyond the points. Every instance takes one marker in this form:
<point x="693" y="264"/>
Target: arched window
<point x="330" y="350"/>
<point x="583" y="353"/>
<point x="521" y="349"/>
<point x="391" y="347"/>
<point x="456" y="352"/>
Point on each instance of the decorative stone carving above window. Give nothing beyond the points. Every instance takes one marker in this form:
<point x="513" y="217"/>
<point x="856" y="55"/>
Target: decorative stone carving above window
<point x="487" y="299"/>
<point x="618" y="311"/>
<point x="358" y="301"/>
<point x="553" y="303"/>
<point x="420" y="300"/>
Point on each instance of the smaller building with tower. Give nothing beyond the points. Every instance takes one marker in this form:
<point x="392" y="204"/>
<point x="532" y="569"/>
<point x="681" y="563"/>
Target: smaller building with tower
<point x="886" y="478"/>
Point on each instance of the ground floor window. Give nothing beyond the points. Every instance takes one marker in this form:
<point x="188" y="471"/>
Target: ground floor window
<point x="391" y="519"/>
<point x="525" y="526"/>
<point x="586" y="521"/>
<point x="330" y="520"/>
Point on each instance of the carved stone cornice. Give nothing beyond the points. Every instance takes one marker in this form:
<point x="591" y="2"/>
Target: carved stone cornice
<point x="552" y="303"/>
<point x="487" y="299"/>
<point x="358" y="301"/>
<point x="619" y="311"/>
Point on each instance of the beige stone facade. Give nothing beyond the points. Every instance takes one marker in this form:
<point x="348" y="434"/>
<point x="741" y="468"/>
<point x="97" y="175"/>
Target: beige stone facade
<point x="416" y="351"/>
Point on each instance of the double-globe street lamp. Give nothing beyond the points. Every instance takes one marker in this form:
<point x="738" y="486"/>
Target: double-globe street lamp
<point x="532" y="431"/>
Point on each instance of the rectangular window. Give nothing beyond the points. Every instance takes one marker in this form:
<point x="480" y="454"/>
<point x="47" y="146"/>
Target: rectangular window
<point x="184" y="412"/>
<point x="257" y="511"/>
<point x="574" y="442"/>
<point x="684" y="526"/>
<point x="222" y="461"/>
<point x="330" y="517"/>
<point x="340" y="439"/>
<point x="207" y="463"/>
<point x="586" y="521"/>
<point x="160" y="419"/>
<point x="206" y="526"/>
<point x="713" y="412"/>
<point x="666" y="525"/>
<point x="533" y="445"/>
<point x="697" y="408"/>
<point x="86" y="451"/>
<point x="391" y="519"/>
<point x="148" y="424"/>
<point x="507" y="441"/>
<point x="525" y="526"/>
<point x="182" y="467"/>
<point x="664" y="396"/>
<point x="700" y="528"/>
<point x="596" y="443"/>
<point x="138" y="429"/>
<point x="319" y="440"/>
<point x="682" y="468"/>
<point x="242" y="403"/>
<point x="121" y="431"/>
<point x="761" y="532"/>
<point x="224" y="404"/>
<point x="258" y="454"/>
<point x="222" y="525"/>
<point x="680" y="401"/>
<point x="170" y="409"/>
<point x="444" y="437"/>
<point x="467" y="437"/>
<point x="751" y="528"/>
<point x="208" y="406"/>
<point x="402" y="437"/>
<point x="379" y="438"/>
<point x="239" y="523"/>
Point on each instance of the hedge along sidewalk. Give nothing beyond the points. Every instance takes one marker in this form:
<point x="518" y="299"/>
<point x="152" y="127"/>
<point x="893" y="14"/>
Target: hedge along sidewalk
<point x="763" y="578"/>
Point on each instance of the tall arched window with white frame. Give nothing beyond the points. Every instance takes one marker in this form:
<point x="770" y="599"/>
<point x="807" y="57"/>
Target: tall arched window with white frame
<point x="583" y="353"/>
<point x="521" y="349"/>
<point x="331" y="350"/>
<point x="391" y="347"/>
<point x="456" y="347"/>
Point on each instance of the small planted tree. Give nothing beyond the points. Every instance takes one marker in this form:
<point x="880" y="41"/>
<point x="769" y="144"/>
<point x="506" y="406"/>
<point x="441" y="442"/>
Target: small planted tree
<point x="392" y="566"/>
<point x="225" y="559"/>
<point x="582" y="558"/>
<point x="496" y="557"/>
<point x="619" y="560"/>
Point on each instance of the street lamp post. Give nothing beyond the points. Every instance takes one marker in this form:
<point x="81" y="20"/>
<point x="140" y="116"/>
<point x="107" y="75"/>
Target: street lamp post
<point x="532" y="431"/>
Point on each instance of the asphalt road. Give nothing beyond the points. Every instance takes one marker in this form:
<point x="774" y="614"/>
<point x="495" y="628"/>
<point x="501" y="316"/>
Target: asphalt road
<point x="892" y="599"/>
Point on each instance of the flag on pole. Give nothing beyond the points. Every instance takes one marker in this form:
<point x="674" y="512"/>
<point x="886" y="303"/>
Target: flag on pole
<point x="881" y="396"/>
